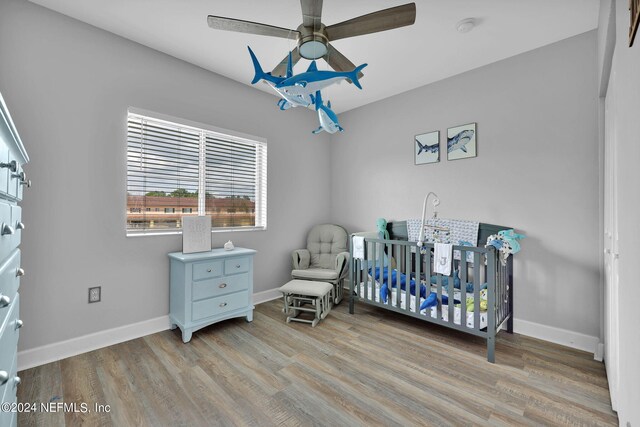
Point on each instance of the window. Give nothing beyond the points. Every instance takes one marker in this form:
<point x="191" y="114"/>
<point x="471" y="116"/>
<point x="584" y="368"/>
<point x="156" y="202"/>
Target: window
<point x="177" y="168"/>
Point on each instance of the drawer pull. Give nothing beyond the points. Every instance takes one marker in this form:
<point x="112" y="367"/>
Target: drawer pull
<point x="12" y="165"/>
<point x="4" y="301"/>
<point x="237" y="265"/>
<point x="4" y="377"/>
<point x="19" y="324"/>
<point x="20" y="175"/>
<point x="224" y="304"/>
<point x="20" y="272"/>
<point x="7" y="230"/>
<point x="222" y="285"/>
<point x="208" y="270"/>
<point x="27" y="183"/>
<point x="19" y="225"/>
<point x="17" y="380"/>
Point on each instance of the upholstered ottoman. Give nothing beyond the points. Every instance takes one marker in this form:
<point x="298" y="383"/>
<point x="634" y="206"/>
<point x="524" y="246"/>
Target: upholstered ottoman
<point x="297" y="293"/>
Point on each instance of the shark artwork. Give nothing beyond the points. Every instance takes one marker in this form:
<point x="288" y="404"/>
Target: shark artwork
<point x="287" y="101"/>
<point x="328" y="119"/>
<point x="459" y="141"/>
<point x="427" y="148"/>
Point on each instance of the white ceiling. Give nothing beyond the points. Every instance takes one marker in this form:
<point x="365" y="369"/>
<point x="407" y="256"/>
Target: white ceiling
<point x="399" y="60"/>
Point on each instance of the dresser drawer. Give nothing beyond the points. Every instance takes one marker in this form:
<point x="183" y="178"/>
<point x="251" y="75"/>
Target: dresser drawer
<point x="219" y="286"/>
<point x="236" y="265"/>
<point x="7" y="230"/>
<point x="4" y="172"/>
<point x="214" y="306"/>
<point x="10" y="389"/>
<point x="9" y="282"/>
<point x="14" y="187"/>
<point x="18" y="226"/>
<point x="9" y="334"/>
<point x="207" y="270"/>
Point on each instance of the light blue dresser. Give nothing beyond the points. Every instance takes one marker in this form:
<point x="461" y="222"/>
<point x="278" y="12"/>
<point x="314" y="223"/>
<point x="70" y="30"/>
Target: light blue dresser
<point x="208" y="287"/>
<point x="12" y="180"/>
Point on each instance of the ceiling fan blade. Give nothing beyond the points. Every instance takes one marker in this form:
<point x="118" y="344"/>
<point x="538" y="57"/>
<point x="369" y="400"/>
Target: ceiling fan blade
<point x="240" y="26"/>
<point x="311" y="13"/>
<point x="281" y="68"/>
<point x="339" y="62"/>
<point x="381" y="20"/>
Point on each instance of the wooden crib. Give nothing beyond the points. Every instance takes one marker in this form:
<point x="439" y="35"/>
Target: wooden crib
<point x="387" y="262"/>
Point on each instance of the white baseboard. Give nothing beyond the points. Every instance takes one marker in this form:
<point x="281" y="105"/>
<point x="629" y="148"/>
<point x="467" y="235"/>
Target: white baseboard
<point x="268" y="295"/>
<point x="564" y="337"/>
<point x="74" y="346"/>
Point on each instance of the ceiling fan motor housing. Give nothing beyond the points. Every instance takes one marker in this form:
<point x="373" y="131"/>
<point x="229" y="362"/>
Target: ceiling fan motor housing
<point x="312" y="44"/>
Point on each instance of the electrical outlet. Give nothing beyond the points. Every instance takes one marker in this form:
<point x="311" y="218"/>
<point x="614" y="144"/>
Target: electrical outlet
<point x="94" y="294"/>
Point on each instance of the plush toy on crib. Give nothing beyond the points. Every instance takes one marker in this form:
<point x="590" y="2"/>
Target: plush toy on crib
<point x="381" y="224"/>
<point x="506" y="242"/>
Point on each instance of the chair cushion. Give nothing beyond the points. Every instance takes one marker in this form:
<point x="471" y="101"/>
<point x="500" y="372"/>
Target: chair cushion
<point x="315" y="274"/>
<point x="306" y="287"/>
<point x="324" y="243"/>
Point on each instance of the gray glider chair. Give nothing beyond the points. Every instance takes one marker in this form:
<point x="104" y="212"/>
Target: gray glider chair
<point x="326" y="258"/>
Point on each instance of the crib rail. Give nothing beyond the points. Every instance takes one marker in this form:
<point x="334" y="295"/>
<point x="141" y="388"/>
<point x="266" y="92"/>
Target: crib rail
<point x="393" y="261"/>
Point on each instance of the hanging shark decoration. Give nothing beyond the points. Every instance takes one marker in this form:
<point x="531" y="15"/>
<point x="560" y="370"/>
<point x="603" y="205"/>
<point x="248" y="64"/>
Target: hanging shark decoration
<point x="303" y="90"/>
<point x="327" y="118"/>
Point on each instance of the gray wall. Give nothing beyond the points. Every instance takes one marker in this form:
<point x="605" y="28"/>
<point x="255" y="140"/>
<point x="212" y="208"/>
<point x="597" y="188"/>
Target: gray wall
<point x="536" y="170"/>
<point x="68" y="86"/>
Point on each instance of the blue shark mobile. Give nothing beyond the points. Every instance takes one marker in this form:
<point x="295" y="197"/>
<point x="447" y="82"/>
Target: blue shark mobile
<point x="303" y="90"/>
<point x="287" y="100"/>
<point x="328" y="119"/>
<point x="459" y="141"/>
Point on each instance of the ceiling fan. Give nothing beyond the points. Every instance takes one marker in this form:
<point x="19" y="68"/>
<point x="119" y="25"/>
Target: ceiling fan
<point x="314" y="37"/>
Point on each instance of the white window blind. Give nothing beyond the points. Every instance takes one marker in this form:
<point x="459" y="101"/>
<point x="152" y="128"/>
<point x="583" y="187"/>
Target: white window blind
<point x="176" y="169"/>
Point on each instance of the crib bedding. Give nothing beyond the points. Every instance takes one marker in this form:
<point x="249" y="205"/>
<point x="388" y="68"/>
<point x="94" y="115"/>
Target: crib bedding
<point x="372" y="292"/>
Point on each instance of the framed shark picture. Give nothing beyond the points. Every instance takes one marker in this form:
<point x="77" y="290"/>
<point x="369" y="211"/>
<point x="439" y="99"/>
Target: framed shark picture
<point x="427" y="148"/>
<point x="461" y="142"/>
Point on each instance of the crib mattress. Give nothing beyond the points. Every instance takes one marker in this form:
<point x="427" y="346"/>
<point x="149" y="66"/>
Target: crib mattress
<point x="430" y="312"/>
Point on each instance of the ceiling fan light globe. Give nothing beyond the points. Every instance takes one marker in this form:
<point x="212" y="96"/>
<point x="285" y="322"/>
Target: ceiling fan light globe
<point x="312" y="49"/>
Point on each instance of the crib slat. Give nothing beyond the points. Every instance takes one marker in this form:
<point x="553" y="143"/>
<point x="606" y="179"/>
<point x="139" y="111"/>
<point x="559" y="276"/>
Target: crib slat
<point x="476" y="290"/>
<point x="373" y="273"/>
<point x="382" y="267"/>
<point x="463" y="288"/>
<point x="439" y="292"/>
<point x="451" y="292"/>
<point x="407" y="261"/>
<point x="417" y="287"/>
<point x="399" y="268"/>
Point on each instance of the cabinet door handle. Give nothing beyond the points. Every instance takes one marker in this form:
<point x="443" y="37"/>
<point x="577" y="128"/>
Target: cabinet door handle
<point x="20" y="272"/>
<point x="224" y="304"/>
<point x="7" y="230"/>
<point x="19" y="324"/>
<point x="19" y="225"/>
<point x="4" y="300"/>
<point x="222" y="285"/>
<point x="4" y="377"/>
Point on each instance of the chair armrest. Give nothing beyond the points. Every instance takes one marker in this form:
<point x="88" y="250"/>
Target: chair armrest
<point x="300" y="259"/>
<point x="342" y="264"/>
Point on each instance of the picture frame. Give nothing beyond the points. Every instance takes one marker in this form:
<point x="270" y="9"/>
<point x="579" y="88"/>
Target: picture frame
<point x="196" y="234"/>
<point x="426" y="148"/>
<point x="634" y="12"/>
<point x="462" y="142"/>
